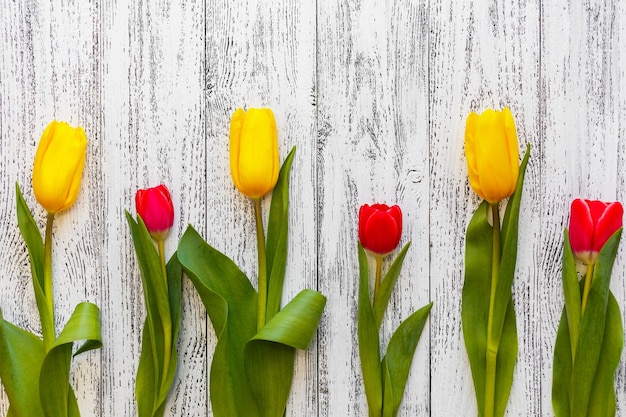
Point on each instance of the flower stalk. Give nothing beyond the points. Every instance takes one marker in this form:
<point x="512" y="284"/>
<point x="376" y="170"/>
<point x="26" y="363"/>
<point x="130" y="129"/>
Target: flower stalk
<point x="47" y="320"/>
<point x="492" y="342"/>
<point x="262" y="279"/>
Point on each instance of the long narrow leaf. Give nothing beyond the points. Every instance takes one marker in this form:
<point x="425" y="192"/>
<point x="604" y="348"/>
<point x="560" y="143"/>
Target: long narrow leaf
<point x="592" y="329"/>
<point x="277" y="238"/>
<point x="505" y="361"/>
<point x="475" y="297"/>
<point x="230" y="301"/>
<point x="399" y="356"/>
<point x="32" y="237"/>
<point x="562" y="369"/>
<point x="162" y="295"/>
<point x="369" y="342"/>
<point x="602" y="398"/>
<point x="571" y="293"/>
<point x="387" y="285"/>
<point x="508" y="257"/>
<point x="269" y="356"/>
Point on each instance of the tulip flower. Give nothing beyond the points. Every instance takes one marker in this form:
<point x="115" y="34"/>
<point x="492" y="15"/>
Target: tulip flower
<point x="380" y="227"/>
<point x="591" y="224"/>
<point x="590" y="334"/>
<point x="492" y="154"/>
<point x="254" y="160"/>
<point x="254" y="166"/>
<point x="155" y="207"/>
<point x="58" y="167"/>
<point x="157" y="363"/>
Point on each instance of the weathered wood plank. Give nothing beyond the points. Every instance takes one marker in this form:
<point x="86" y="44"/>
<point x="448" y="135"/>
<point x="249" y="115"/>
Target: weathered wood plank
<point x="483" y="54"/>
<point x="583" y="78"/>
<point x="374" y="95"/>
<point x="261" y="54"/>
<point x="50" y="72"/>
<point x="153" y="128"/>
<point x="373" y="148"/>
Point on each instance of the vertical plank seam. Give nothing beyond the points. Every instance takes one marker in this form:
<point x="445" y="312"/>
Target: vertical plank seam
<point x="207" y="400"/>
<point x="100" y="78"/>
<point x="542" y="109"/>
<point x="317" y="199"/>
<point x="428" y="114"/>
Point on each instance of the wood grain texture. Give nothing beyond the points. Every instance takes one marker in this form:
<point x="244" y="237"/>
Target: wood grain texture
<point x="483" y="54"/>
<point x="261" y="54"/>
<point x="153" y="101"/>
<point x="583" y="76"/>
<point x="50" y="72"/>
<point x="373" y="148"/>
<point x="374" y="95"/>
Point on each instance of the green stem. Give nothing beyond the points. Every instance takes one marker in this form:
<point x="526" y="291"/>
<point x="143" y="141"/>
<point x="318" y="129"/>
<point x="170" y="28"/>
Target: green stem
<point x="167" y="332"/>
<point x="379" y="269"/>
<point x="588" y="279"/>
<point x="492" y="345"/>
<point x="260" y="238"/>
<point x="47" y="322"/>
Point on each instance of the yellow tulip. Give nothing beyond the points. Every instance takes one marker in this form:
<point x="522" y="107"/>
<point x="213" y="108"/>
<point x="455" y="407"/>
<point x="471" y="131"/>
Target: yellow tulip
<point x="492" y="153"/>
<point x="254" y="161"/>
<point x="59" y="165"/>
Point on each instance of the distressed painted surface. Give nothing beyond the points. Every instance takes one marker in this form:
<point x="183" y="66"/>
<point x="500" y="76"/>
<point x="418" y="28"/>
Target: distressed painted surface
<point x="374" y="96"/>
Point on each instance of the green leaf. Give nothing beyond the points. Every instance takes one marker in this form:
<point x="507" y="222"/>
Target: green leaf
<point x="231" y="303"/>
<point x="397" y="361"/>
<point x="387" y="285"/>
<point x="592" y="329"/>
<point x="21" y="357"/>
<point x="475" y="297"/>
<point x="277" y="238"/>
<point x="602" y="398"/>
<point x="562" y="369"/>
<point x="369" y="342"/>
<point x="475" y="315"/>
<point x="57" y="398"/>
<point x="162" y="295"/>
<point x="32" y="237"/>
<point x="508" y="256"/>
<point x="269" y="356"/>
<point x="571" y="292"/>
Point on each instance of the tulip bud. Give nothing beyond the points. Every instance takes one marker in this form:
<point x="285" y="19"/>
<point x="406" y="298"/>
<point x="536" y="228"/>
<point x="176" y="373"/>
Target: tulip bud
<point x="154" y="206"/>
<point x="254" y="163"/>
<point x="591" y="224"/>
<point x="380" y="227"/>
<point x="492" y="154"/>
<point x="58" y="166"/>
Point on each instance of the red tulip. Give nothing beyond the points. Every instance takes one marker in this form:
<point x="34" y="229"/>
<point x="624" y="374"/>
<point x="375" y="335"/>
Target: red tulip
<point x="380" y="227"/>
<point x="154" y="206"/>
<point x="591" y="224"/>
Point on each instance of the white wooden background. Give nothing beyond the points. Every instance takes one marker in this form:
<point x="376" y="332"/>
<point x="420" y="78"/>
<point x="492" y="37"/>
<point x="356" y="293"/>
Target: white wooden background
<point x="374" y="94"/>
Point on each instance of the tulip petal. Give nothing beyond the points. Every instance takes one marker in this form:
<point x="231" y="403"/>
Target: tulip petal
<point x="492" y="154"/>
<point x="607" y="224"/>
<point x="235" y="134"/>
<point x="382" y="232"/>
<point x="254" y="151"/>
<point x="580" y="229"/>
<point x="470" y="152"/>
<point x="512" y="144"/>
<point x="58" y="166"/>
